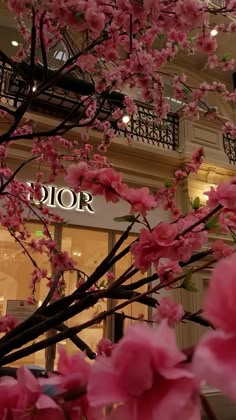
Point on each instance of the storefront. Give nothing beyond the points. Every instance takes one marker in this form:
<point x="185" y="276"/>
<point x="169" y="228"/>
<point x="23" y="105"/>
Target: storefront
<point x="88" y="233"/>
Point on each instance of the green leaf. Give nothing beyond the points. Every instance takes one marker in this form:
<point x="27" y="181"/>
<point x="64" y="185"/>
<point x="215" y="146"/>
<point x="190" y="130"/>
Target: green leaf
<point x="212" y="223"/>
<point x="168" y="183"/>
<point x="188" y="284"/>
<point x="102" y="284"/>
<point x="226" y="56"/>
<point x="128" y="218"/>
<point x="196" y="203"/>
<point x="186" y="90"/>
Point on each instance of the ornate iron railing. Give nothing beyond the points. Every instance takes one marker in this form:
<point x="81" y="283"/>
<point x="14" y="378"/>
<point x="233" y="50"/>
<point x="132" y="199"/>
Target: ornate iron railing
<point x="144" y="127"/>
<point x="59" y="100"/>
<point x="218" y="3"/>
<point x="230" y="148"/>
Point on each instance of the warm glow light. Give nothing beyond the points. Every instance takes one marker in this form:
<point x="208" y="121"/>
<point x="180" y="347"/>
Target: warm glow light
<point x="14" y="43"/>
<point x="214" y="32"/>
<point x="126" y="119"/>
<point x="77" y="254"/>
<point x="34" y="88"/>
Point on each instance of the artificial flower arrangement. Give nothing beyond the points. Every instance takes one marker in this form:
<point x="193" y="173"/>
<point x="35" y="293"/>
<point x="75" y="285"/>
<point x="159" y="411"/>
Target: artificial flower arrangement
<point x="145" y="375"/>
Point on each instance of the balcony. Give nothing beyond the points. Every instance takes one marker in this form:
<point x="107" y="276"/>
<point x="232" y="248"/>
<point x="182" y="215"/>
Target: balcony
<point x="230" y="148"/>
<point x="60" y="100"/>
<point x="218" y="3"/>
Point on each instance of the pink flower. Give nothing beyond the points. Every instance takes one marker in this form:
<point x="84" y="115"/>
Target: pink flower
<point x="95" y="21"/>
<point x="212" y="201"/>
<point x="164" y="234"/>
<point x="206" y="43"/>
<point x="227" y="195"/>
<point x="7" y="323"/>
<point x="140" y="199"/>
<point x="145" y="250"/>
<point x="220" y="308"/>
<point x="167" y="269"/>
<point x="156" y="386"/>
<point x="214" y="361"/>
<point x="105" y="347"/>
<point x="180" y="175"/>
<point x="220" y="249"/>
<point x="74" y="369"/>
<point x="197" y="155"/>
<point x="167" y="309"/>
<point x="25" y="399"/>
<point x="75" y="373"/>
<point x="110" y="277"/>
<point x="213" y="61"/>
<point x="87" y="62"/>
<point x="75" y="174"/>
<point x="224" y="194"/>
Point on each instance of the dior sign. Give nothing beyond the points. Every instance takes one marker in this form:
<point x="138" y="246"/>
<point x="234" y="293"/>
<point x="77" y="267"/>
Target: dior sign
<point x="65" y="198"/>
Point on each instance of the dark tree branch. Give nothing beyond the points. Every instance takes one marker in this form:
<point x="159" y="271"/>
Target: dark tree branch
<point x="43" y="49"/>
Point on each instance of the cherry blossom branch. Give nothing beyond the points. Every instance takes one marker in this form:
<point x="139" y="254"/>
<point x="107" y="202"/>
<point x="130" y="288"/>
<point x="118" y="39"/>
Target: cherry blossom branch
<point x="86" y="302"/>
<point x="22" y="165"/>
<point x="33" y="47"/>
<point x="42" y="45"/>
<point x="200" y="221"/>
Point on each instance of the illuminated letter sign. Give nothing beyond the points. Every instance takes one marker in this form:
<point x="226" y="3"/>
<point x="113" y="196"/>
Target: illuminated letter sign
<point x="65" y="198"/>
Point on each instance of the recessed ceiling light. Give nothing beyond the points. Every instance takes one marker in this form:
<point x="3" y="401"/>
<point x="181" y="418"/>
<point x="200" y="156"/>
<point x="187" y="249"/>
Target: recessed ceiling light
<point x="214" y="32"/>
<point x="126" y="119"/>
<point x="14" y="43"/>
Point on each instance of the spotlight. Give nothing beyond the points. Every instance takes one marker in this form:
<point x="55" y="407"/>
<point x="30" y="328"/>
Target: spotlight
<point x="14" y="43"/>
<point x="126" y="119"/>
<point x="214" y="32"/>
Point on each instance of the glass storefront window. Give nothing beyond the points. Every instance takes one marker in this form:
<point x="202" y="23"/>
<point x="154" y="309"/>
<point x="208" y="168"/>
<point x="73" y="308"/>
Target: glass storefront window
<point x="134" y="310"/>
<point x="87" y="248"/>
<point x="15" y="274"/>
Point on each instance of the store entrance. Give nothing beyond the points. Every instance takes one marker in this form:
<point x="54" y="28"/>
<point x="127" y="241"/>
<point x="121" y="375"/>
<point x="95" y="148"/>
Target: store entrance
<point x="87" y="247"/>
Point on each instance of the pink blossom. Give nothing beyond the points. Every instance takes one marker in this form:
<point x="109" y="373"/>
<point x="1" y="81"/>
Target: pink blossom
<point x="206" y="43"/>
<point x="140" y="199"/>
<point x="110" y="277"/>
<point x="220" y="249"/>
<point x="75" y="374"/>
<point x="75" y="173"/>
<point x="213" y="61"/>
<point x="167" y="269"/>
<point x="95" y="21"/>
<point x="224" y="194"/>
<point x="214" y="361"/>
<point x="87" y="62"/>
<point x="164" y="234"/>
<point x="220" y="308"/>
<point x="25" y="399"/>
<point x="212" y="195"/>
<point x="227" y="195"/>
<point x="73" y="368"/>
<point x="7" y="323"/>
<point x="227" y="65"/>
<point x="145" y="250"/>
<point x="170" y="310"/>
<point x="180" y="175"/>
<point x="161" y="386"/>
<point x="105" y="347"/>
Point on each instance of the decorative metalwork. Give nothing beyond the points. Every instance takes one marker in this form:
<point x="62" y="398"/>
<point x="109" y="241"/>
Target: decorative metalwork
<point x="229" y="143"/>
<point x="60" y="100"/>
<point x="144" y="127"/>
<point x="219" y="3"/>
